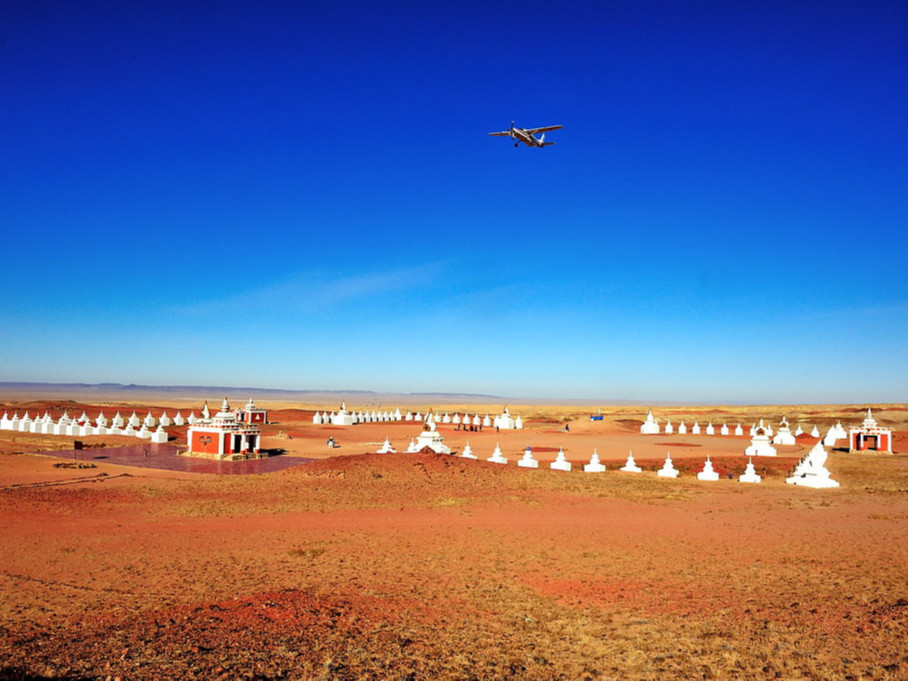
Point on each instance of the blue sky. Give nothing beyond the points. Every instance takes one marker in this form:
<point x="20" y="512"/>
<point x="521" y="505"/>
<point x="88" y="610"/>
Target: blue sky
<point x="304" y="196"/>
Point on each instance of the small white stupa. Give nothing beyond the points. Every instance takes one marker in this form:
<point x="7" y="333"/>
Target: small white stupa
<point x="724" y="430"/>
<point x="783" y="436"/>
<point x="840" y="432"/>
<point x="630" y="466"/>
<point x="815" y="432"/>
<point x="707" y="473"/>
<point x="668" y="469"/>
<point x="759" y="443"/>
<point x="799" y="431"/>
<point x="159" y="436"/>
<point x="386" y="447"/>
<point x="750" y="474"/>
<point x="413" y="447"/>
<point x="467" y="452"/>
<point x="497" y="456"/>
<point x="134" y="421"/>
<point x="669" y="428"/>
<point x="527" y="460"/>
<point x="650" y="426"/>
<point x="431" y="438"/>
<point x="710" y="429"/>
<point x="150" y="420"/>
<point x="682" y="429"/>
<point x="739" y="430"/>
<point x="811" y="471"/>
<point x="594" y="466"/>
<point x="560" y="463"/>
<point x="695" y="429"/>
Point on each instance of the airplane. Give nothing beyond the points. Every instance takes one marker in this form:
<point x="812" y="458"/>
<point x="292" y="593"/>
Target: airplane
<point x="527" y="135"/>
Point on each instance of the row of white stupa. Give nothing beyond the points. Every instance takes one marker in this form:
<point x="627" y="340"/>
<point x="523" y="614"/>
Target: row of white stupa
<point x="810" y="471"/>
<point x="784" y="436"/>
<point x="82" y="426"/>
<point x="504" y="421"/>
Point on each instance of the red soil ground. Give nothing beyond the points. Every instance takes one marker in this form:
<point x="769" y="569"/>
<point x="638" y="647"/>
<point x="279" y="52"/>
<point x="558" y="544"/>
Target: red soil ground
<point x="428" y="566"/>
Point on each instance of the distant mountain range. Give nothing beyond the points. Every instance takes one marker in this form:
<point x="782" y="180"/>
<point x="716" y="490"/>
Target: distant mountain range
<point x="74" y="390"/>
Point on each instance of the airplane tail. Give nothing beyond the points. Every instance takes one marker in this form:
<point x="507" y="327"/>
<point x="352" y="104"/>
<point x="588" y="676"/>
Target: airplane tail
<point x="543" y="143"/>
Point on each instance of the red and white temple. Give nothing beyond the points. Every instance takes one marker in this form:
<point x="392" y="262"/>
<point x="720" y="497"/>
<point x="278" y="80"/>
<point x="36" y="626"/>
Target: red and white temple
<point x="223" y="436"/>
<point x="251" y="414"/>
<point x="870" y="437"/>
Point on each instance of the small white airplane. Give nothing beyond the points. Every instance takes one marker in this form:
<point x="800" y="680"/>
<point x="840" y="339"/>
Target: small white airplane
<point x="527" y="135"/>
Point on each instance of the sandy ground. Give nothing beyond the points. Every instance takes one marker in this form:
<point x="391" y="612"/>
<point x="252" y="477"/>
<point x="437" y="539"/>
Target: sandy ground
<point x="427" y="566"/>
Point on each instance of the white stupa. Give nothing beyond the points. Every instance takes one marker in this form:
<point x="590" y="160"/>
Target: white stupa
<point x="668" y="469"/>
<point x="431" y="438"/>
<point x="497" y="456"/>
<point x="840" y="432"/>
<point x="150" y="420"/>
<point x="759" y="443"/>
<point x="386" y="448"/>
<point x="560" y="463"/>
<point x="505" y="421"/>
<point x="486" y="422"/>
<point x="739" y="430"/>
<point x="413" y="447"/>
<point x="650" y="426"/>
<point x="710" y="429"/>
<point x="446" y="418"/>
<point x="750" y="474"/>
<point x="527" y="460"/>
<point x="630" y="466"/>
<point x="784" y="436"/>
<point x="695" y="429"/>
<point x="815" y="432"/>
<point x="467" y="452"/>
<point x="724" y="429"/>
<point x="342" y="417"/>
<point x="799" y="431"/>
<point x="811" y="471"/>
<point x="682" y="429"/>
<point x="317" y="418"/>
<point x="134" y="421"/>
<point x="669" y="428"/>
<point x="159" y="436"/>
<point x="707" y="473"/>
<point x="594" y="466"/>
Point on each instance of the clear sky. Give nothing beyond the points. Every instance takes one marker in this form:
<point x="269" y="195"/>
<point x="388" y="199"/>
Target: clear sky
<point x="303" y="195"/>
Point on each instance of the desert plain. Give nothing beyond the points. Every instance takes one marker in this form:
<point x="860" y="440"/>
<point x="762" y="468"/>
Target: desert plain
<point x="356" y="565"/>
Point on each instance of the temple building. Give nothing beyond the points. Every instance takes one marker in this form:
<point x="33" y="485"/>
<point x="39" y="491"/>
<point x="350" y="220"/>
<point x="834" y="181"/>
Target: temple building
<point x="223" y="436"/>
<point x="252" y="414"/>
<point x="870" y="437"/>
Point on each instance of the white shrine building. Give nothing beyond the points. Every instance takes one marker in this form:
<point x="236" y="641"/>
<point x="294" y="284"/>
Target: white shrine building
<point x="252" y="414"/>
<point x="870" y="437"/>
<point x="223" y="436"/>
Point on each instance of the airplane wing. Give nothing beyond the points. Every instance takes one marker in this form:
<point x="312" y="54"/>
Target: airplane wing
<point x="536" y="131"/>
<point x="506" y="133"/>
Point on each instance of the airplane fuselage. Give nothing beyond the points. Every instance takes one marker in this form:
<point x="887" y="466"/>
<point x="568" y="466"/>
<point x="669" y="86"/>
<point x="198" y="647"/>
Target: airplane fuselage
<point x="528" y="135"/>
